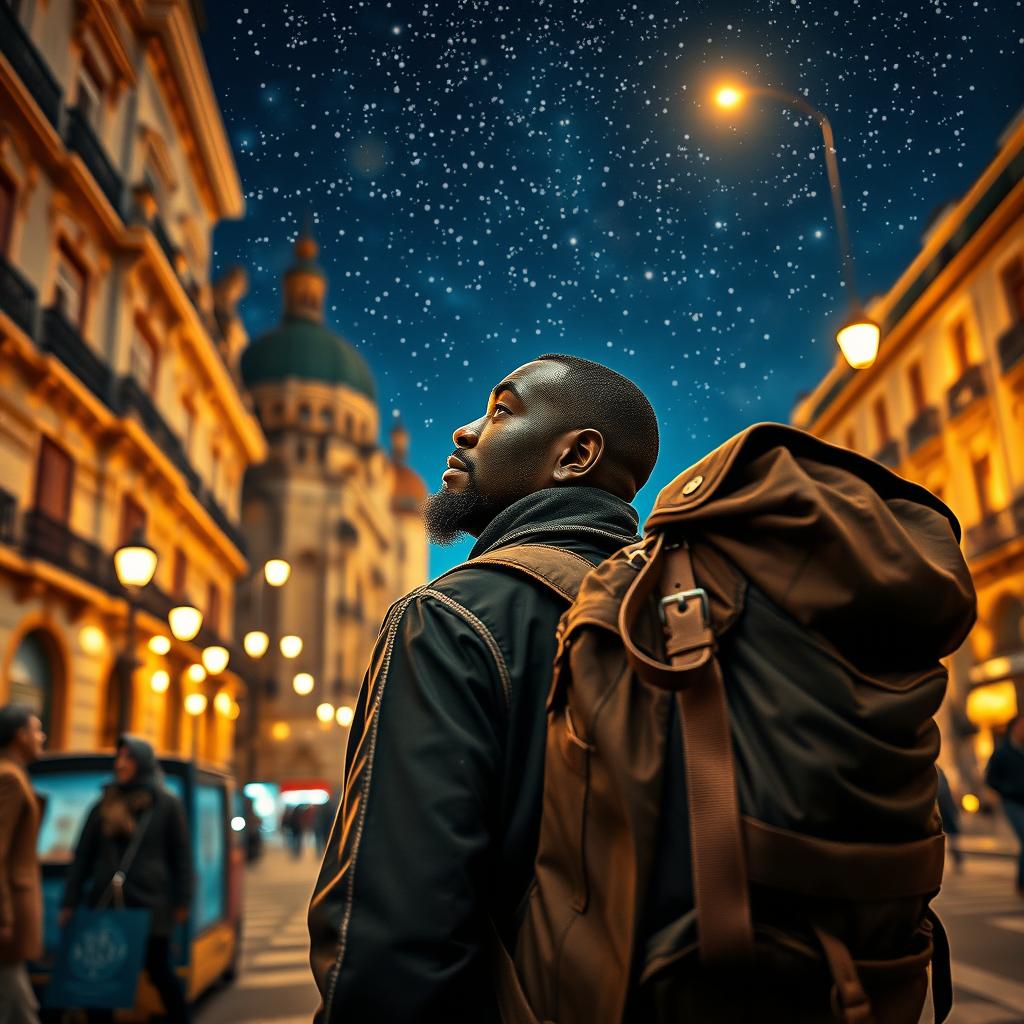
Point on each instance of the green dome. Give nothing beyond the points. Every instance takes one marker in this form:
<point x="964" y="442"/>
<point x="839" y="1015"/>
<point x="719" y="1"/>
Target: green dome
<point x="306" y="350"/>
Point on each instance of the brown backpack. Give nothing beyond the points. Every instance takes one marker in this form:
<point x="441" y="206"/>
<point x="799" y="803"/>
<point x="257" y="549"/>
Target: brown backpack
<point x="787" y="608"/>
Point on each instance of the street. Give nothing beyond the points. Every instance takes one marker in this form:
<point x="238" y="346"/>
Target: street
<point x="274" y="985"/>
<point x="984" y="919"/>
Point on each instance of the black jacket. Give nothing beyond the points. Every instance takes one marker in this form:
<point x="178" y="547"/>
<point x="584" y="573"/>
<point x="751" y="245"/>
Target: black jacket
<point x="1005" y="771"/>
<point x="439" y="818"/>
<point x="160" y="876"/>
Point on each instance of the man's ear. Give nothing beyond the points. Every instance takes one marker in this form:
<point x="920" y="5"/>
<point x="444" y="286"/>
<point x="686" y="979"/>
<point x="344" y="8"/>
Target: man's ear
<point x="579" y="455"/>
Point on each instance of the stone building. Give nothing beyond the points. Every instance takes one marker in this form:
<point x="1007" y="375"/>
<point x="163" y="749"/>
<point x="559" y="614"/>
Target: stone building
<point x="341" y="511"/>
<point x="944" y="405"/>
<point x="120" y="407"/>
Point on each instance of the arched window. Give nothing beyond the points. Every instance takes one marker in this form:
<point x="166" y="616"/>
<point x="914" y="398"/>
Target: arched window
<point x="1008" y="626"/>
<point x="37" y="677"/>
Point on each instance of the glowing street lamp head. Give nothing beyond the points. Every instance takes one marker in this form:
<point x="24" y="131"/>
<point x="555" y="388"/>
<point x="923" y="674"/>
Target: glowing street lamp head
<point x="858" y="341"/>
<point x="291" y="645"/>
<point x="195" y="704"/>
<point x="302" y="683"/>
<point x="185" y="621"/>
<point x="215" y="659"/>
<point x="135" y="562"/>
<point x="276" y="571"/>
<point x="256" y="643"/>
<point x="728" y="97"/>
<point x="325" y="712"/>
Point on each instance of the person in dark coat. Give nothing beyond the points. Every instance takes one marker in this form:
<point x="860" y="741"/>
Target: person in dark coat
<point x="441" y="800"/>
<point x="950" y="815"/>
<point x="1005" y="774"/>
<point x="160" y="876"/>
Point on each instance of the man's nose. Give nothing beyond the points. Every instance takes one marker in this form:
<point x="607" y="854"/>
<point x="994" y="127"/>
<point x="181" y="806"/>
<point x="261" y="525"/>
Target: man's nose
<point x="468" y="435"/>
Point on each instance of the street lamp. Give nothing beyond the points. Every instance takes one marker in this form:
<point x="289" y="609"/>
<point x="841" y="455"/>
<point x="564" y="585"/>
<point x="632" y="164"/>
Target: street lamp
<point x="134" y="564"/>
<point x="325" y="712"/>
<point x="302" y="683"/>
<point x="291" y="645"/>
<point x="185" y="620"/>
<point x="255" y="643"/>
<point x="276" y="571"/>
<point x="215" y="659"/>
<point x="858" y="338"/>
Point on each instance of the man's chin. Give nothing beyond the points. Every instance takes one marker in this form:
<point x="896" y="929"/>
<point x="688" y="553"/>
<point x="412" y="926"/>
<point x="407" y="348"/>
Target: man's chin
<point x="448" y="513"/>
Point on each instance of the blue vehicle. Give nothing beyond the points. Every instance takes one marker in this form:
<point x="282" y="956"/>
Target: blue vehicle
<point x="206" y="947"/>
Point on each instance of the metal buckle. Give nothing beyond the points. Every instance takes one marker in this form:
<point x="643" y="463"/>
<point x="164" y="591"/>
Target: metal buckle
<point x="638" y="552"/>
<point x="682" y="597"/>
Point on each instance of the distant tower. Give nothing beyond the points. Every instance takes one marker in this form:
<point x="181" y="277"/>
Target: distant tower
<point x="333" y="503"/>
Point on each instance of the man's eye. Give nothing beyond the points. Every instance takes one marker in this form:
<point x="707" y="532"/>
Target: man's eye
<point x="503" y="408"/>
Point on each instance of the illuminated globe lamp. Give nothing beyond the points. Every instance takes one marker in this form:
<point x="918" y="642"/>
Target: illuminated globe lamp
<point x="234" y="711"/>
<point x="215" y="659"/>
<point x="325" y="712"/>
<point x="185" y="621"/>
<point x="222" y="703"/>
<point x="196" y="673"/>
<point x="344" y="716"/>
<point x="92" y="640"/>
<point x="276" y="572"/>
<point x="160" y="644"/>
<point x="291" y="646"/>
<point x="858" y="341"/>
<point x="135" y="562"/>
<point x="195" y="704"/>
<point x="159" y="681"/>
<point x="255" y="643"/>
<point x="302" y="683"/>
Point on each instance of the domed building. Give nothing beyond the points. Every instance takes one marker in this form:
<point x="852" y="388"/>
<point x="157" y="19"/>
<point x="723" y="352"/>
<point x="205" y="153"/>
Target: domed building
<point x="342" y="511"/>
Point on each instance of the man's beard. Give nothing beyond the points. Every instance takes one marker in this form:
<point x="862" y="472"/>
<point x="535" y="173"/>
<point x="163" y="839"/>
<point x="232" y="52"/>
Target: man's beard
<point x="449" y="514"/>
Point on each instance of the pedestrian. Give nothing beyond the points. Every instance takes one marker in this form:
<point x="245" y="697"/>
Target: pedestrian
<point x="291" y="825"/>
<point x="159" y="877"/>
<point x="1005" y="774"/>
<point x="450" y="723"/>
<point x="21" y="900"/>
<point x="325" y="813"/>
<point x="950" y="815"/>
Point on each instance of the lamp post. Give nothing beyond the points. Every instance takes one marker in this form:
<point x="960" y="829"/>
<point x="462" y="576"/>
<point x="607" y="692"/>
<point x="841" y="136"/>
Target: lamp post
<point x="135" y="565"/>
<point x="859" y="336"/>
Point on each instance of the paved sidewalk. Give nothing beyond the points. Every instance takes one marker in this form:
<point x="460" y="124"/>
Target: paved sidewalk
<point x="274" y="984"/>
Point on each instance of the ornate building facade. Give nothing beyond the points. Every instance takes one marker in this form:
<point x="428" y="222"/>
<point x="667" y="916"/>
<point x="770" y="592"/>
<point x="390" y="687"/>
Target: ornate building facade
<point x="120" y="408"/>
<point x="341" y="511"/>
<point x="944" y="405"/>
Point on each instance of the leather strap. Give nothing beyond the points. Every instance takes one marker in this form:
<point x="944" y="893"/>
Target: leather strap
<point x="850" y="1002"/>
<point x="559" y="570"/>
<point x="942" y="978"/>
<point x="719" y="870"/>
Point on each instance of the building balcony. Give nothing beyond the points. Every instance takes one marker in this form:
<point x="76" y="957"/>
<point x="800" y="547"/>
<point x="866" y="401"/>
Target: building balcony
<point x="8" y="517"/>
<point x="28" y="64"/>
<point x="923" y="428"/>
<point x="888" y="454"/>
<point x="220" y="517"/>
<point x="52" y="541"/>
<point x="170" y="250"/>
<point x="1011" y="346"/>
<point x="63" y="340"/>
<point x="995" y="530"/>
<point x="131" y="398"/>
<point x="17" y="296"/>
<point x="81" y="138"/>
<point x="969" y="388"/>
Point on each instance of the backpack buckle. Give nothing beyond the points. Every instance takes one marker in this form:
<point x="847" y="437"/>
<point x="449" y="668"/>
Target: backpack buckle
<point x="682" y="597"/>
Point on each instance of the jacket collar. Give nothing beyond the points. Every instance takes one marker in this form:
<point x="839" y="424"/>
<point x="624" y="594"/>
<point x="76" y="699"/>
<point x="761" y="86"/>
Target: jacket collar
<point x="567" y="509"/>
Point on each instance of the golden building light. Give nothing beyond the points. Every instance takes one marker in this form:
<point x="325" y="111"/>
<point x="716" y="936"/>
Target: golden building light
<point x="160" y="644"/>
<point x="291" y="646"/>
<point x="858" y="341"/>
<point x="280" y="731"/>
<point x="185" y="621"/>
<point x="215" y="659"/>
<point x="160" y="681"/>
<point x="302" y="683"/>
<point x="222" y="703"/>
<point x="276" y="572"/>
<point x="135" y="562"/>
<point x="196" y="673"/>
<point x="195" y="704"/>
<point x="344" y="716"/>
<point x="255" y="643"/>
<point x="92" y="640"/>
<point x="235" y="711"/>
<point x="325" y="712"/>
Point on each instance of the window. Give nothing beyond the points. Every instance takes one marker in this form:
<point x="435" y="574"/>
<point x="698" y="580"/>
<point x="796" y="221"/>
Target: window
<point x="89" y="99"/>
<point x="54" y="475"/>
<point x="982" y="470"/>
<point x="881" y="415"/>
<point x="71" y="286"/>
<point x="8" y="195"/>
<point x="215" y="471"/>
<point x="133" y="517"/>
<point x="179" y="574"/>
<point x="961" y="350"/>
<point x="143" y="358"/>
<point x="917" y="392"/>
<point x="190" y="426"/>
<point x="212" y="617"/>
<point x="1013" y="282"/>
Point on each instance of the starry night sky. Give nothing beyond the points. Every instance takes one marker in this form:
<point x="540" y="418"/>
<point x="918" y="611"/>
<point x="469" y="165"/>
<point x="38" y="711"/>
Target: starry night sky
<point x="490" y="181"/>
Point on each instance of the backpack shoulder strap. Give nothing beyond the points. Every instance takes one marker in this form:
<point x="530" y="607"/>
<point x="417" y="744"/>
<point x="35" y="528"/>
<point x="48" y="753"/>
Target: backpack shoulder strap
<point x="559" y="570"/>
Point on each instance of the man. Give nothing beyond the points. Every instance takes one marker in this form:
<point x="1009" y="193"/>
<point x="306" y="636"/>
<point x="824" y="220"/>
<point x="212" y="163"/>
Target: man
<point x="441" y="806"/>
<point x="21" y="894"/>
<point x="1005" y="774"/>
